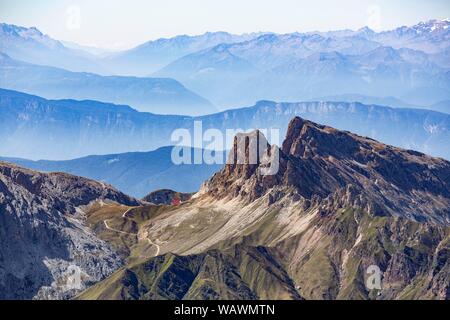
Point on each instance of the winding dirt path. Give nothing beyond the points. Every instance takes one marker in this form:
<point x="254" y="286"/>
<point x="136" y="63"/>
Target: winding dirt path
<point x="124" y="215"/>
<point x="154" y="244"/>
<point x="115" y="230"/>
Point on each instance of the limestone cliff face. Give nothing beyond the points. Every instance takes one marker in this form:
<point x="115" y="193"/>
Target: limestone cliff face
<point x="45" y="247"/>
<point x="339" y="204"/>
<point x="320" y="164"/>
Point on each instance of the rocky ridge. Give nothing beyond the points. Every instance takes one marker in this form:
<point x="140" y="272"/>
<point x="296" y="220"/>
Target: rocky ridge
<point x="338" y="168"/>
<point x="47" y="252"/>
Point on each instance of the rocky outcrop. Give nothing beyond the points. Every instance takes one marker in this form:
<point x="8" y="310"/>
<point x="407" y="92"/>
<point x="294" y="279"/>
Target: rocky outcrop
<point x="356" y="203"/>
<point x="336" y="168"/>
<point x="46" y="250"/>
<point x="167" y="197"/>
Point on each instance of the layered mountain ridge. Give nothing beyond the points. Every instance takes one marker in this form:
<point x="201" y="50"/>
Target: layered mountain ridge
<point x="31" y="45"/>
<point x="153" y="55"/>
<point x="157" y="95"/>
<point x="81" y="128"/>
<point x="409" y="63"/>
<point x="135" y="173"/>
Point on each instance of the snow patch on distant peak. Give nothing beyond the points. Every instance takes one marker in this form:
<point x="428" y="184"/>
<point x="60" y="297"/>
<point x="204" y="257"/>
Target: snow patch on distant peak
<point x="432" y="128"/>
<point x="111" y="161"/>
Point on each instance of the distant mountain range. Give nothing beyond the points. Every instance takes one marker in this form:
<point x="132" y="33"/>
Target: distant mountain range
<point x="299" y="67"/>
<point x="135" y="173"/>
<point x="31" y="45"/>
<point x="153" y="55"/>
<point x="428" y="36"/>
<point x="157" y="95"/>
<point x="100" y="52"/>
<point x="443" y="106"/>
<point x="408" y="63"/>
<point x="35" y="128"/>
<point x="216" y="72"/>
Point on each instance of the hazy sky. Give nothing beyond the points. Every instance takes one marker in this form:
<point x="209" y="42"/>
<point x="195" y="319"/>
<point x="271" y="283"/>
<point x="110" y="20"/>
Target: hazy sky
<point x="120" y="24"/>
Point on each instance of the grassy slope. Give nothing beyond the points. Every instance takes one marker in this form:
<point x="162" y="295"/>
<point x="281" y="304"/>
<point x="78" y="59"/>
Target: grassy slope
<point x="325" y="260"/>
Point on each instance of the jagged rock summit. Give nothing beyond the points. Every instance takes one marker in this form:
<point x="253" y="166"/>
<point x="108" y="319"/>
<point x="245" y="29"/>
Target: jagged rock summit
<point x="319" y="164"/>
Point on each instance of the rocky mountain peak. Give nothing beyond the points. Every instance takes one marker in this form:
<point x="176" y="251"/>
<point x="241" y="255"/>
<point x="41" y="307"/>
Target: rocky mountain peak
<point x="365" y="31"/>
<point x="294" y="130"/>
<point x="306" y="139"/>
<point x="432" y="26"/>
<point x="247" y="148"/>
<point x="336" y="168"/>
<point x="251" y="153"/>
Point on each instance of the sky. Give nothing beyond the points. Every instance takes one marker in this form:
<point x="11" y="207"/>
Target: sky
<point x="119" y="24"/>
